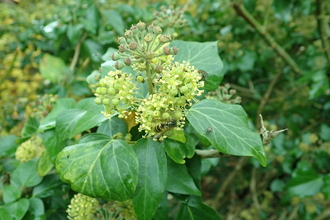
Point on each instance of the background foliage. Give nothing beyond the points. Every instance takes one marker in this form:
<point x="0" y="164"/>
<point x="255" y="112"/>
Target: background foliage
<point x="51" y="47"/>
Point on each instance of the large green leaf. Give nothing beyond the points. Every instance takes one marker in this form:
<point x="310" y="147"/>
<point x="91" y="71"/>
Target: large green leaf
<point x="18" y="208"/>
<point x="203" y="56"/>
<point x="26" y="175"/>
<point x="8" y="146"/>
<point x="74" y="121"/>
<point x="112" y="126"/>
<point x="177" y="151"/>
<point x="99" y="167"/>
<point x="152" y="177"/>
<point x="11" y="193"/>
<point x="162" y="210"/>
<point x="179" y="179"/>
<point x="229" y="133"/>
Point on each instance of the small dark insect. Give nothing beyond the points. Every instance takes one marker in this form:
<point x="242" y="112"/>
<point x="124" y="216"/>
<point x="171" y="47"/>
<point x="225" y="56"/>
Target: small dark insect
<point x="208" y="130"/>
<point x="68" y="156"/>
<point x="203" y="74"/>
<point x="162" y="128"/>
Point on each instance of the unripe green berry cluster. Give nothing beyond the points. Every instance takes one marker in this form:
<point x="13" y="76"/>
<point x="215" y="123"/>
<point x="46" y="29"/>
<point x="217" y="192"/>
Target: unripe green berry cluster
<point x="115" y="91"/>
<point x="170" y="17"/>
<point x="82" y="207"/>
<point x="29" y="149"/>
<point x="141" y="44"/>
<point x="224" y="94"/>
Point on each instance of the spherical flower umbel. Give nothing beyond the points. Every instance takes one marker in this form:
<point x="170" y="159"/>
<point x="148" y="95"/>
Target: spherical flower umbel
<point x="115" y="92"/>
<point x="29" y="149"/>
<point x="82" y="207"/>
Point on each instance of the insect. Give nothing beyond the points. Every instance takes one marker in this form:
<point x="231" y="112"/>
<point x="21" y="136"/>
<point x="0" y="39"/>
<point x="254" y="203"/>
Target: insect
<point x="162" y="128"/>
<point x="203" y="74"/>
<point x="208" y="130"/>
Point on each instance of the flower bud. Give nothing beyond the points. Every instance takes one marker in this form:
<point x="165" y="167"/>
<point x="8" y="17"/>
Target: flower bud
<point x="174" y="51"/>
<point x="158" y="30"/>
<point x="115" y="101"/>
<point x="121" y="40"/>
<point x="116" y="56"/>
<point x="111" y="91"/>
<point x="98" y="100"/>
<point x="151" y="29"/>
<point x="150" y="54"/>
<point x="106" y="101"/>
<point x="101" y="90"/>
<point x="127" y="61"/>
<point x="119" y="65"/>
<point x="141" y="26"/>
<point x="148" y="38"/>
<point x="159" y="69"/>
<point x="121" y="47"/>
<point x="164" y="38"/>
<point x="134" y="29"/>
<point x="128" y="34"/>
<point x="167" y="50"/>
<point x="132" y="45"/>
<point x="140" y="79"/>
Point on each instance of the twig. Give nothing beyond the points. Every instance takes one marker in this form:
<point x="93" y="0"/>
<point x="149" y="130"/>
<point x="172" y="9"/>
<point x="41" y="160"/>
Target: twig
<point x="254" y="191"/>
<point x="265" y="97"/>
<point x="240" y="9"/>
<point x="294" y="212"/>
<point x="210" y="153"/>
<point x="217" y="200"/>
<point x="77" y="53"/>
<point x="322" y="27"/>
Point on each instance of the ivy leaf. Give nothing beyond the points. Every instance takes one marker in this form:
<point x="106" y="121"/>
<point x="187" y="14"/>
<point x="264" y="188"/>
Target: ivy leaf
<point x="229" y="133"/>
<point x="179" y="179"/>
<point x="99" y="166"/>
<point x="18" y="208"/>
<point x="50" y="186"/>
<point x="176" y="150"/>
<point x="152" y="178"/>
<point x="26" y="175"/>
<point x="114" y="19"/>
<point x="30" y="127"/>
<point x="203" y="56"/>
<point x="201" y="213"/>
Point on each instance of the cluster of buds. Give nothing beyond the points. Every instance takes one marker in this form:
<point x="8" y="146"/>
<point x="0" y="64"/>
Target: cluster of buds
<point x="115" y="92"/>
<point x="29" y="149"/>
<point x="172" y="86"/>
<point x="43" y="105"/>
<point x="116" y="211"/>
<point x="170" y="17"/>
<point x="224" y="94"/>
<point x="142" y="44"/>
<point x="82" y="207"/>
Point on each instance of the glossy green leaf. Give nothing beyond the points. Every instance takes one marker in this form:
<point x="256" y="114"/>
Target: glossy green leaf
<point x="152" y="178"/>
<point x="203" y="56"/>
<point x="30" y="127"/>
<point x="36" y="207"/>
<point x="99" y="167"/>
<point x="8" y="146"/>
<point x="44" y="164"/>
<point x="114" y="19"/>
<point x="201" y="213"/>
<point x="17" y="209"/>
<point x="162" y="210"/>
<point x="26" y="175"/>
<point x="4" y="214"/>
<point x="50" y="186"/>
<point x="53" y="68"/>
<point x="305" y="182"/>
<point x="194" y="166"/>
<point x="176" y="150"/>
<point x="179" y="180"/>
<point x="53" y="147"/>
<point x="112" y="126"/>
<point x="93" y="17"/>
<point x="230" y="132"/>
<point x="66" y="122"/>
<point x="11" y="193"/>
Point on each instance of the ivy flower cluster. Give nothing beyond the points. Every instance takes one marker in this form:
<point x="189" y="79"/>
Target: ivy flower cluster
<point x="224" y="94"/>
<point x="82" y="207"/>
<point x="29" y="149"/>
<point x="172" y="86"/>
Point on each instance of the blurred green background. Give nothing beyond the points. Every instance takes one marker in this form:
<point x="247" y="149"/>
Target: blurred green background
<point x="276" y="56"/>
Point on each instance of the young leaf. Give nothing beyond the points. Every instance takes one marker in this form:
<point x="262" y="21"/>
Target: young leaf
<point x="26" y="175"/>
<point x="230" y="132"/>
<point x="44" y="164"/>
<point x="30" y="127"/>
<point x="176" y="150"/>
<point x="99" y="167"/>
<point x="152" y="178"/>
<point x="18" y="208"/>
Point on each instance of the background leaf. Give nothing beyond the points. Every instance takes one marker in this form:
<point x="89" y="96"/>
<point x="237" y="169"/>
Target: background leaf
<point x="26" y="175"/>
<point x="30" y="127"/>
<point x="99" y="167"/>
<point x="152" y="178"/>
<point x="230" y="132"/>
<point x="17" y="209"/>
<point x="53" y="68"/>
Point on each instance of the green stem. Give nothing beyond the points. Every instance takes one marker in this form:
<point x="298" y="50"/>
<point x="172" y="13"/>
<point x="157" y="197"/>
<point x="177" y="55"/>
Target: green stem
<point x="149" y="78"/>
<point x="240" y="9"/>
<point x="322" y="27"/>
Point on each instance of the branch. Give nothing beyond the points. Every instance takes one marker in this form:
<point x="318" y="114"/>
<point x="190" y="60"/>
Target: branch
<point x="322" y="27"/>
<point x="324" y="215"/>
<point x="210" y="153"/>
<point x="77" y="53"/>
<point x="240" y="9"/>
<point x="254" y="192"/>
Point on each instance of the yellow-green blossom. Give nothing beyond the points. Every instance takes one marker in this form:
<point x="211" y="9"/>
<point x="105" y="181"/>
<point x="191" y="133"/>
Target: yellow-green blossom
<point x="29" y="149"/>
<point x="82" y="207"/>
